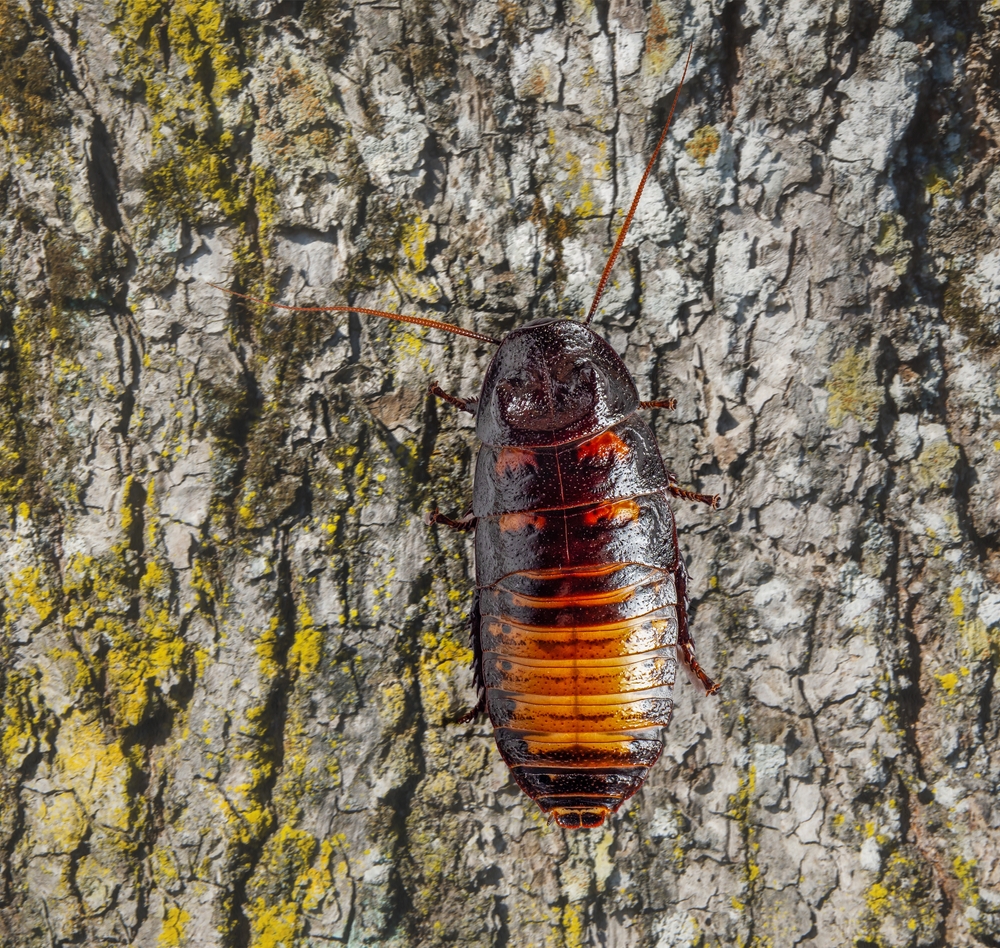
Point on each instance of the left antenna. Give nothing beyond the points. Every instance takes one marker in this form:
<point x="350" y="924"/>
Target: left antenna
<point x="398" y="317"/>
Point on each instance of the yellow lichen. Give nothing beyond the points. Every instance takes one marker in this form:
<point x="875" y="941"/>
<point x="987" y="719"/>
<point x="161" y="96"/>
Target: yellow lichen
<point x="317" y="881"/>
<point x="392" y="703"/>
<point x="703" y="144"/>
<point x="740" y="804"/>
<point x="414" y="242"/>
<point x="937" y="186"/>
<point x="957" y="603"/>
<point x="854" y="389"/>
<point x="443" y="658"/>
<point x="266" y="648"/>
<point x="890" y="244"/>
<point x="94" y="766"/>
<point x="21" y="716"/>
<point x="877" y="898"/>
<point x="274" y="926"/>
<point x="306" y="650"/>
<point x="979" y="641"/>
<point x="572" y="921"/>
<point x="964" y="872"/>
<point x="28" y="591"/>
<point x="948" y="682"/>
<point x="172" y="932"/>
<point x="145" y="656"/>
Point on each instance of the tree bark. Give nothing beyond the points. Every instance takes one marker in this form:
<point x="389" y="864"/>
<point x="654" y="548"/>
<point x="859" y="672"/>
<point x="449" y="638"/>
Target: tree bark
<point x="233" y="654"/>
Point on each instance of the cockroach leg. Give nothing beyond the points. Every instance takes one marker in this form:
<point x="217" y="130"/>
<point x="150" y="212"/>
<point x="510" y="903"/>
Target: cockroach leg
<point x="462" y="404"/>
<point x="687" y="656"/>
<point x="478" y="680"/>
<point x="468" y="522"/>
<point x="711" y="499"/>
<point x="685" y="645"/>
<point x="474" y="713"/>
<point x="667" y="403"/>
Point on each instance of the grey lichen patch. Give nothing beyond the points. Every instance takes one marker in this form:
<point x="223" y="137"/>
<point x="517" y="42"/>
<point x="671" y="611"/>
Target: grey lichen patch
<point x="854" y="389"/>
<point x="84" y="270"/>
<point x="972" y="302"/>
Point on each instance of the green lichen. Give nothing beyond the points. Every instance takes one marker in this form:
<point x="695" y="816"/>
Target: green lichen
<point x="890" y="243"/>
<point x="379" y="244"/>
<point x="513" y="17"/>
<point x="30" y="107"/>
<point x="431" y="54"/>
<point x="184" y="58"/>
<point x="854" y="390"/>
<point x="330" y="22"/>
<point x="80" y="270"/>
<point x="557" y="227"/>
<point x="21" y="474"/>
<point x="935" y="466"/>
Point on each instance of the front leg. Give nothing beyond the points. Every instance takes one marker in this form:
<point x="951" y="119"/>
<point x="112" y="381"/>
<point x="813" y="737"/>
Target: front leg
<point x="667" y="403"/>
<point x="462" y="404"/>
<point x="468" y="522"/>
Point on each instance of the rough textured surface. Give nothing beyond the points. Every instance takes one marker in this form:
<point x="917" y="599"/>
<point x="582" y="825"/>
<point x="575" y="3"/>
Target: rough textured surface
<point x="232" y="652"/>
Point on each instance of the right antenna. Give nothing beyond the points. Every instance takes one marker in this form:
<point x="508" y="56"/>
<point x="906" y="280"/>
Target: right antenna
<point x="638" y="194"/>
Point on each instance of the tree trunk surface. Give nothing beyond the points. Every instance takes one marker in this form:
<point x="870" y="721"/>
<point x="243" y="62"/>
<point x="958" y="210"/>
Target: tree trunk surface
<point x="233" y="652"/>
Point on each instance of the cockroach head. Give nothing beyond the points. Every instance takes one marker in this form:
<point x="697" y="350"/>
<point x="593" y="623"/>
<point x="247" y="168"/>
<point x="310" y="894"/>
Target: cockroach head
<point x="553" y="381"/>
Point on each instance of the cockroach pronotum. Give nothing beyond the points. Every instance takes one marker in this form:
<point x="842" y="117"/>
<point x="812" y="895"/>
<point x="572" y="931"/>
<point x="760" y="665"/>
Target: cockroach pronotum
<point x="580" y="607"/>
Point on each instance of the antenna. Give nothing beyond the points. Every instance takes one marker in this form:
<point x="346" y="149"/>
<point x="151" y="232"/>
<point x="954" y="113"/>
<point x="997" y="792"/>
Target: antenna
<point x="638" y="194"/>
<point x="416" y="320"/>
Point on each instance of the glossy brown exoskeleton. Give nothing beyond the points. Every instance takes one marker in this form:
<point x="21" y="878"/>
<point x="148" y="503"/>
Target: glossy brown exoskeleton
<point x="580" y="610"/>
<point x="581" y="599"/>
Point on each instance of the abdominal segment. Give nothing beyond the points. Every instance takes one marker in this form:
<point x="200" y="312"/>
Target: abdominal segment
<point x="579" y="666"/>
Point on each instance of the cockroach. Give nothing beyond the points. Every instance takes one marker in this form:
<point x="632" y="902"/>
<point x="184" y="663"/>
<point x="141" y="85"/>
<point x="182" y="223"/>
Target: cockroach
<point x="581" y="607"/>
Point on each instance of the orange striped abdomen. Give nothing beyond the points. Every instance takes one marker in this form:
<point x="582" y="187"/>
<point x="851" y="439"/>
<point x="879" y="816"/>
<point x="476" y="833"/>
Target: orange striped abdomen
<point x="579" y="666"/>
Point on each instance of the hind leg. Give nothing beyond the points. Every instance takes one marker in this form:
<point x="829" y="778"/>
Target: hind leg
<point x="478" y="681"/>
<point x="685" y="644"/>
